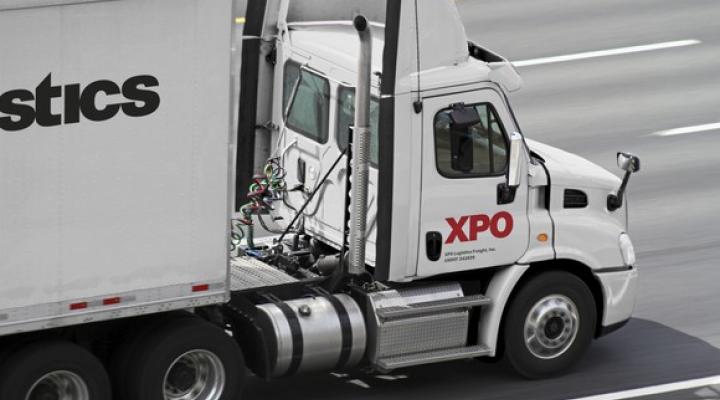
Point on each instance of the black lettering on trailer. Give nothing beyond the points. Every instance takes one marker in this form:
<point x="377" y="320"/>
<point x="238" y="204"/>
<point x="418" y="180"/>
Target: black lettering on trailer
<point x="19" y="116"/>
<point x="18" y="113"/>
<point x="45" y="92"/>
<point x="72" y="103"/>
<point x="135" y="89"/>
<point x="88" y="100"/>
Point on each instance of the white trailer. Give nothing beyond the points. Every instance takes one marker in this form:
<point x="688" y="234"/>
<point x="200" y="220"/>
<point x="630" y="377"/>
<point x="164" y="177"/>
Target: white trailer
<point x="131" y="129"/>
<point x="113" y="159"/>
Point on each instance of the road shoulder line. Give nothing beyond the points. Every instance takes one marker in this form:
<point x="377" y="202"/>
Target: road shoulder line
<point x="657" y="389"/>
<point x="689" y="129"/>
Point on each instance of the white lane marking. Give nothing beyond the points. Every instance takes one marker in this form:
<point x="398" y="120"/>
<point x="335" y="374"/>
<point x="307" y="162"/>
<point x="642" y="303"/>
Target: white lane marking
<point x="689" y="129"/>
<point x="391" y="377"/>
<point x="658" y="389"/>
<point x="605" y="53"/>
<point x="360" y="383"/>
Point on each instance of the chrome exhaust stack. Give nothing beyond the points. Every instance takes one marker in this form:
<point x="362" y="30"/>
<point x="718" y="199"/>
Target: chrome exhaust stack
<point x="361" y="150"/>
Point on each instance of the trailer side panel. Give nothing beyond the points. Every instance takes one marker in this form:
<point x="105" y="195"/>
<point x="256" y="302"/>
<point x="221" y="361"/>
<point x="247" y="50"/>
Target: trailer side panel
<point x="114" y="142"/>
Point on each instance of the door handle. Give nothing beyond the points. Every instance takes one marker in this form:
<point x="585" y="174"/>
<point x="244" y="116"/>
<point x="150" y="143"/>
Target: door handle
<point x="301" y="171"/>
<point x="433" y="245"/>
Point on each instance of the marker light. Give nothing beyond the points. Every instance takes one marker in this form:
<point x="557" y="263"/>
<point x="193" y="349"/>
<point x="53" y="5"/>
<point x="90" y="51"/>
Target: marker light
<point x="201" y="288"/>
<point x="111" y="301"/>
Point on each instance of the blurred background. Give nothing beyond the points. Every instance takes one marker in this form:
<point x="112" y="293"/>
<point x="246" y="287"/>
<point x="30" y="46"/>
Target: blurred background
<point x="602" y="76"/>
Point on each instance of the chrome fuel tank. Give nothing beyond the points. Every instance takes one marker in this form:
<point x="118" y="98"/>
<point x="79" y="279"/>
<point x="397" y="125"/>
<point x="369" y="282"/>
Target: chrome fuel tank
<point x="315" y="333"/>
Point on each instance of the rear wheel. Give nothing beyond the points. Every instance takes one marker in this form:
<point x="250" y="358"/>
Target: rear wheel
<point x="54" y="370"/>
<point x="184" y="359"/>
<point x="549" y="324"/>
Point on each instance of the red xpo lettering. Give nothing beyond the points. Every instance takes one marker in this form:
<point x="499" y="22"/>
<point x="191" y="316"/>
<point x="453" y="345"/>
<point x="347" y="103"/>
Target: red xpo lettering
<point x="457" y="229"/>
<point x="495" y="225"/>
<point x="479" y="223"/>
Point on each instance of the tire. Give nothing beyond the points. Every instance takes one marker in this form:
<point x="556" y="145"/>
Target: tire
<point x="165" y="363"/>
<point x="38" y="368"/>
<point x="541" y="336"/>
<point x="136" y="333"/>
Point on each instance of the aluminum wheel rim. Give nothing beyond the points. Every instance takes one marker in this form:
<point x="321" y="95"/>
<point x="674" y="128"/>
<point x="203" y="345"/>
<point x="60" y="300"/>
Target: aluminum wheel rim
<point x="206" y="379"/>
<point x="64" y="385"/>
<point x="551" y="326"/>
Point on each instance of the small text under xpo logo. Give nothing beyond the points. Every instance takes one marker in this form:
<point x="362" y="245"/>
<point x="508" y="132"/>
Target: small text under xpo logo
<point x="21" y="108"/>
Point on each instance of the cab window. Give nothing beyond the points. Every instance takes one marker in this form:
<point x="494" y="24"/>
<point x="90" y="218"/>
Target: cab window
<point x="309" y="108"/>
<point x="470" y="141"/>
<point x="346" y="118"/>
<point x="290" y="78"/>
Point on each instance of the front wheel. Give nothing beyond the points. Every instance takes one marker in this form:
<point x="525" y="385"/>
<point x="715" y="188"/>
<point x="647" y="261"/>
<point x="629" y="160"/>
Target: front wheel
<point x="549" y="324"/>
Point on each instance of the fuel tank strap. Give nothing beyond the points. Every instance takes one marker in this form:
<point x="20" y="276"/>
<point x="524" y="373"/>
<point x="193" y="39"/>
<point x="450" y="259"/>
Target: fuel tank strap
<point x="345" y="329"/>
<point x="297" y="337"/>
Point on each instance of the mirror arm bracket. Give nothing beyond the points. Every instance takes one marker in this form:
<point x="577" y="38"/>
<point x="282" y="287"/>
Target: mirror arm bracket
<point x="505" y="193"/>
<point x="615" y="201"/>
<point x="630" y="163"/>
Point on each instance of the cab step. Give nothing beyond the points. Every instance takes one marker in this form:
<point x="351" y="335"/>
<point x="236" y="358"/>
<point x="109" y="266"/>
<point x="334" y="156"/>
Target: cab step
<point x="431" y="357"/>
<point x="430" y="307"/>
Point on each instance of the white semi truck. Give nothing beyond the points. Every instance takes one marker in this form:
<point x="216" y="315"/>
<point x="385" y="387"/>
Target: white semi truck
<point x="422" y="228"/>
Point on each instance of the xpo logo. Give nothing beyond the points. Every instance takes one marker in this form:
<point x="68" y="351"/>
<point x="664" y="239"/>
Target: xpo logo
<point x="477" y="224"/>
<point x="21" y="108"/>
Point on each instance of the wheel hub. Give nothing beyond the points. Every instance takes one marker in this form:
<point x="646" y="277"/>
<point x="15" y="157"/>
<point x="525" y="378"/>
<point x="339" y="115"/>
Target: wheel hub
<point x="551" y="326"/>
<point x="195" y="375"/>
<point x="59" y="385"/>
<point x="182" y="376"/>
<point x="554" y="327"/>
<point x="45" y="391"/>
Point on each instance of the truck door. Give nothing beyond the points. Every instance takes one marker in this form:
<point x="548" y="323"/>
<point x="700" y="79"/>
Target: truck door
<point x="307" y="119"/>
<point x="464" y="224"/>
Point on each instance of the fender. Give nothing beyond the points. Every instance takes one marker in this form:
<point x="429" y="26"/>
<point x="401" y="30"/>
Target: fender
<point x="500" y="288"/>
<point x="616" y="292"/>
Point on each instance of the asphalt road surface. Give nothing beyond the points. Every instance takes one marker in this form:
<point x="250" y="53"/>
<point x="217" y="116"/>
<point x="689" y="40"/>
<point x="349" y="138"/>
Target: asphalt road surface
<point x="636" y="102"/>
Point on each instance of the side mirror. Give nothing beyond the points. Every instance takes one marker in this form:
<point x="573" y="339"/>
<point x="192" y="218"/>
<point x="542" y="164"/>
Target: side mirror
<point x="461" y="142"/>
<point x="506" y="190"/>
<point x="628" y="162"/>
<point x="461" y="149"/>
<point x="516" y="147"/>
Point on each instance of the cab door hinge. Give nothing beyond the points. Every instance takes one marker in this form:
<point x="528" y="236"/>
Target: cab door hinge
<point x="271" y="56"/>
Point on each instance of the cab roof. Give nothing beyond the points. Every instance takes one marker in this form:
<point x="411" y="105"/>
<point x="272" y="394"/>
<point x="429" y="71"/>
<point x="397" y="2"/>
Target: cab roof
<point x="337" y="44"/>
